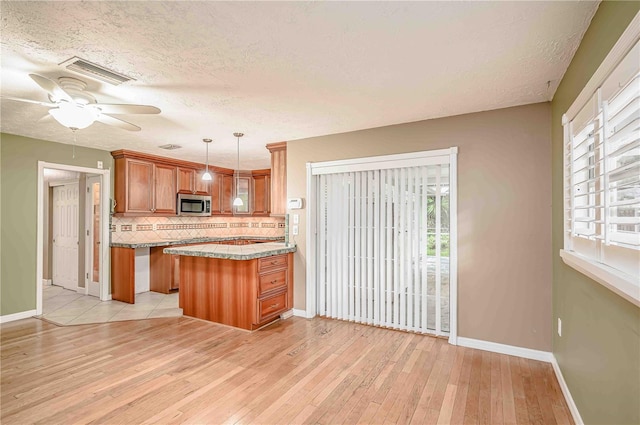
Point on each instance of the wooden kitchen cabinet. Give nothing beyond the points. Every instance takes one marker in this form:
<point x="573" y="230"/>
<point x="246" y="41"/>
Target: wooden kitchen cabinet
<point x="147" y="185"/>
<point x="137" y="181"/>
<point x="261" y="192"/>
<point x="164" y="271"/>
<point x="164" y="189"/>
<point x="190" y="181"/>
<point x="226" y="194"/>
<point x="144" y="187"/>
<point x="221" y="194"/>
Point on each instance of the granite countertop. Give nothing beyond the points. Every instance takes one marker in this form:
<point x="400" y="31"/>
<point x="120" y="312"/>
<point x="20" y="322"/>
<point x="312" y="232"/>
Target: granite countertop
<point x="233" y="252"/>
<point x="149" y="243"/>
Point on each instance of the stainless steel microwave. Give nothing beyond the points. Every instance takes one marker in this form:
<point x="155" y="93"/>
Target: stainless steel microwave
<point x="198" y="205"/>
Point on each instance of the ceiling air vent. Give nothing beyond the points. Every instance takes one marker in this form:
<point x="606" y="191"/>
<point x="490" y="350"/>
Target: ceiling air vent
<point x="93" y="70"/>
<point x="170" y="147"/>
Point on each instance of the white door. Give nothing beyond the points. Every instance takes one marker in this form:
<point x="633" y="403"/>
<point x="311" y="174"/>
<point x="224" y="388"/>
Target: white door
<point x="65" y="236"/>
<point x="93" y="222"/>
<point x="384" y="244"/>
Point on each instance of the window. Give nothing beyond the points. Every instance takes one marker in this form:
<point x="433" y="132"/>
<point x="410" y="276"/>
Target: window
<point x="602" y="177"/>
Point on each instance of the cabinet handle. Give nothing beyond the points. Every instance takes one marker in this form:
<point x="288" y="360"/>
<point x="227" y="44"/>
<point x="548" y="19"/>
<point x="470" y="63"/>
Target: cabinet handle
<point x="274" y="262"/>
<point x="274" y="305"/>
<point x="273" y="282"/>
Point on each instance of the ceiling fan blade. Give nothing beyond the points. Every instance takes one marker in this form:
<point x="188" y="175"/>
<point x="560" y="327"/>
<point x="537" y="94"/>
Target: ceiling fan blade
<point x="117" y="122"/>
<point x="50" y="105"/>
<point x="51" y="87"/>
<point x="109" y="108"/>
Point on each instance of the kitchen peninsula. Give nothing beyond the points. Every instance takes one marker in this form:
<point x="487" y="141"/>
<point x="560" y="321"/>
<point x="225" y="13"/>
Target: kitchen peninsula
<point x="245" y="286"/>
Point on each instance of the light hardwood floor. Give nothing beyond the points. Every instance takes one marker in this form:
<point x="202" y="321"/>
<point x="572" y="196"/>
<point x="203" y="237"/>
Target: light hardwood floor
<point x="316" y="371"/>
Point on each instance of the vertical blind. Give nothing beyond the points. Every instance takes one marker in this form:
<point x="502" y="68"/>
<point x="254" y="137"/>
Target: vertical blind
<point x="602" y="171"/>
<point x="382" y="247"/>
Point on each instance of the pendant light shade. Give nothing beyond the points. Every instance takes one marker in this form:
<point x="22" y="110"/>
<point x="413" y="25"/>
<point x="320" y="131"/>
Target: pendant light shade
<point x="237" y="202"/>
<point x="207" y="176"/>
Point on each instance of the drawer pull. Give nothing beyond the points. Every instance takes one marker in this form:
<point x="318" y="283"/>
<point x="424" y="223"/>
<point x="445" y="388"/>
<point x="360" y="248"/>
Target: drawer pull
<point x="274" y="305"/>
<point x="274" y="262"/>
<point x="273" y="282"/>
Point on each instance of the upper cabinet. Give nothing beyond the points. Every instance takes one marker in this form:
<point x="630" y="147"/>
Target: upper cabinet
<point x="190" y="181"/>
<point x="243" y="188"/>
<point x="221" y="194"/>
<point x="143" y="187"/>
<point x="278" y="178"/>
<point x="147" y="185"/>
<point x="261" y="192"/>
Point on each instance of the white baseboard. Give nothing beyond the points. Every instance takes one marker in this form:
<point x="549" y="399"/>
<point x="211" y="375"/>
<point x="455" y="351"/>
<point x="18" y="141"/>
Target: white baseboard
<point x="567" y="394"/>
<point x="17" y="316"/>
<point x="300" y="313"/>
<point x="46" y="282"/>
<point x="511" y="350"/>
<point x="287" y="314"/>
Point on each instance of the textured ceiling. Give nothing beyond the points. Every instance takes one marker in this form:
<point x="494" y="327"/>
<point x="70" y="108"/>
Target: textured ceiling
<point x="283" y="70"/>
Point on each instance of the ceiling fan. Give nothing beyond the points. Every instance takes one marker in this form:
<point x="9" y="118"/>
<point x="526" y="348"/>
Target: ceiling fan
<point x="76" y="108"/>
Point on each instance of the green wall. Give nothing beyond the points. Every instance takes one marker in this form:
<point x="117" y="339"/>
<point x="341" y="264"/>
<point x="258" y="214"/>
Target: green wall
<point x="19" y="158"/>
<point x="599" y="351"/>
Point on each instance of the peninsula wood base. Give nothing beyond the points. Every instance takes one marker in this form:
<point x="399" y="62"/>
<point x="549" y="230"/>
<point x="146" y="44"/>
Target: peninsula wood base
<point x="245" y="294"/>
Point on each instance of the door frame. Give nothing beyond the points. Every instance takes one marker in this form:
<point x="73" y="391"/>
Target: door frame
<point x="437" y="156"/>
<point x="88" y="251"/>
<point x="105" y="193"/>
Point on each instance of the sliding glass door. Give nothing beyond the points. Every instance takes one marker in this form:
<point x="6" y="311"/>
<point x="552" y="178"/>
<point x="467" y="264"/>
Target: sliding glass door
<point x="383" y="244"/>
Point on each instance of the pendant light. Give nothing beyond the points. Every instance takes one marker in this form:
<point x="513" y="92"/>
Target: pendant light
<point x="238" y="201"/>
<point x="207" y="176"/>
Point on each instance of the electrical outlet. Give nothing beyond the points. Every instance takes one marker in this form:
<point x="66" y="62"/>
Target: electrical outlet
<point x="295" y="230"/>
<point x="559" y="327"/>
<point x="100" y="165"/>
<point x="296" y="218"/>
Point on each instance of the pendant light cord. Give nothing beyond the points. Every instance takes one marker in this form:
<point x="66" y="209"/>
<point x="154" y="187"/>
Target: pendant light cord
<point x="73" y="149"/>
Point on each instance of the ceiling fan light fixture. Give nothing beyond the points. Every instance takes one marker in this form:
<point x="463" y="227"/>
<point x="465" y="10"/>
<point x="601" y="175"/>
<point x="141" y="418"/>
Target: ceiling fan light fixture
<point x="73" y="116"/>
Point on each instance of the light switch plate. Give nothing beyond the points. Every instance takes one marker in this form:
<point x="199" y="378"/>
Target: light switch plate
<point x="295" y="230"/>
<point x="296" y="218"/>
<point x="100" y="165"/>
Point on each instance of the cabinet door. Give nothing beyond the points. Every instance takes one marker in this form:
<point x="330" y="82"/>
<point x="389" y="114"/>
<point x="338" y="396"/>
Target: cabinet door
<point x="226" y="194"/>
<point x="215" y="188"/>
<point x="185" y="180"/>
<point x="139" y="185"/>
<point x="243" y="189"/>
<point x="200" y="187"/>
<point x="261" y="188"/>
<point x="165" y="189"/>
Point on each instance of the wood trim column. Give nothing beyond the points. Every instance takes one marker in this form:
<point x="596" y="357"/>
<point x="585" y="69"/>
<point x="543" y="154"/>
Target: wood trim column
<point x="278" y="178"/>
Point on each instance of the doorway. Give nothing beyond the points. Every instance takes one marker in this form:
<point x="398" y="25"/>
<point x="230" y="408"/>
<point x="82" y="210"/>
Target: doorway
<point x="77" y="217"/>
<point x="383" y="241"/>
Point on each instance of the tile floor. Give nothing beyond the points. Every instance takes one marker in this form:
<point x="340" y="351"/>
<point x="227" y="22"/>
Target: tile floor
<point x="64" y="307"/>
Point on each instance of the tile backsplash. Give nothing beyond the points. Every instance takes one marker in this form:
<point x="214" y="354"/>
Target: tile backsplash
<point x="132" y="229"/>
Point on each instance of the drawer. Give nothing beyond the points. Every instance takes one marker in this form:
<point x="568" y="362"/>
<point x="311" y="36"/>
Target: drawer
<point x="274" y="262"/>
<point x="271" y="306"/>
<point x="273" y="280"/>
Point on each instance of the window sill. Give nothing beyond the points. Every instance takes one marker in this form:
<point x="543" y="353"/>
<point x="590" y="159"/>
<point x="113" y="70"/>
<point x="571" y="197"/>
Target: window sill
<point x="620" y="283"/>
